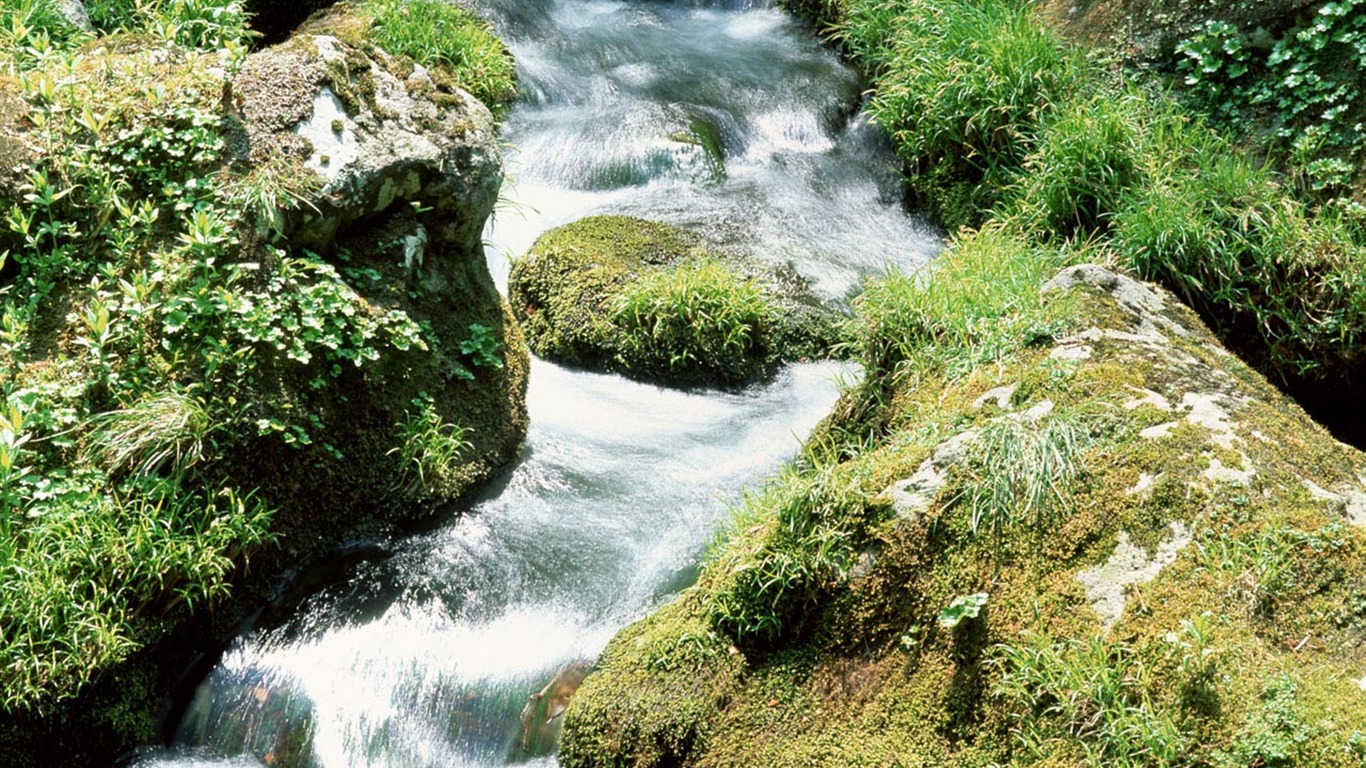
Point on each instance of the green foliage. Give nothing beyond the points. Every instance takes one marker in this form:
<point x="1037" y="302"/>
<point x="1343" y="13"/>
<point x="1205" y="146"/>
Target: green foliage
<point x="1021" y="473"/>
<point x="1311" y="80"/>
<point x="788" y="543"/>
<point x="1094" y="695"/>
<point x="976" y="303"/>
<point x="482" y="347"/>
<point x="961" y="609"/>
<point x="160" y="431"/>
<point x="1277" y="735"/>
<point x="81" y="568"/>
<point x="1286" y="286"/>
<point x="697" y="315"/>
<point x="1088" y="153"/>
<point x="430" y="449"/>
<point x="140" y="321"/>
<point x="448" y="35"/>
<point x="961" y="88"/>
<point x="32" y="32"/>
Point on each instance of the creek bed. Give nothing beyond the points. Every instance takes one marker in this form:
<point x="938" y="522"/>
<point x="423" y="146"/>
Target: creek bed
<point x="728" y="118"/>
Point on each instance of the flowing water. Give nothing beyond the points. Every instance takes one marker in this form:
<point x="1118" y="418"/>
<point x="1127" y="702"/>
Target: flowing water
<point x="726" y="117"/>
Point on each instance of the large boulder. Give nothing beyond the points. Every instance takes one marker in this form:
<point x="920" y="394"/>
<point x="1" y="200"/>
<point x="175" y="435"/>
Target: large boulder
<point x="391" y="383"/>
<point x="656" y="302"/>
<point x="1115" y="545"/>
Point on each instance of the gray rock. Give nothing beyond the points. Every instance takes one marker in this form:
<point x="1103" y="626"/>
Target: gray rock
<point x="375" y="141"/>
<point x="74" y="12"/>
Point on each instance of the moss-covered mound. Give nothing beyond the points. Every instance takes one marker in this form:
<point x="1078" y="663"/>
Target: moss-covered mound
<point x="999" y="117"/>
<point x="652" y="301"/>
<point x="200" y="384"/>
<point x="1051" y="527"/>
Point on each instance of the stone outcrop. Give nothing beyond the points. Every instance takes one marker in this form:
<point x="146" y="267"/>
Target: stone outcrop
<point x="1190" y="589"/>
<point x="374" y="184"/>
<point x="715" y="318"/>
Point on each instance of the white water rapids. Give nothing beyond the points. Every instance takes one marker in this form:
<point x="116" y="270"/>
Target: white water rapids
<point x="725" y="117"/>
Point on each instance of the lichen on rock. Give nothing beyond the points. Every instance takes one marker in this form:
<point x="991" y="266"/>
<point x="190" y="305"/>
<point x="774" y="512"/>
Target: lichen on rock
<point x="1159" y="614"/>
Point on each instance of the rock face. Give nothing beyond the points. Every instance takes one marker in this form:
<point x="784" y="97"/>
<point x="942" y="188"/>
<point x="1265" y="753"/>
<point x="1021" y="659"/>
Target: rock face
<point x="1184" y="589"/>
<point x="1146" y="29"/>
<point x="377" y="142"/>
<point x="373" y="184"/>
<point x="655" y="302"/>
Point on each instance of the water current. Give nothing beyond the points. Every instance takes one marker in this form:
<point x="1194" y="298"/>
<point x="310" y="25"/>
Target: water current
<point x="727" y="117"/>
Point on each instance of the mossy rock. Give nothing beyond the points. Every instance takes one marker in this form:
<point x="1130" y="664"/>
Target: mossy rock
<point x="656" y="302"/>
<point x="320" y="439"/>
<point x="1190" y="595"/>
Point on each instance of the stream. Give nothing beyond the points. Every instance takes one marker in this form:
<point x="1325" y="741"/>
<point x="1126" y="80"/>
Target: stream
<point x="726" y="117"/>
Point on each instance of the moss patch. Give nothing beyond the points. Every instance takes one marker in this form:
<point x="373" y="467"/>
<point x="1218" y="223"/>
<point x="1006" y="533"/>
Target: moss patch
<point x="655" y="302"/>
<point x="1240" y="649"/>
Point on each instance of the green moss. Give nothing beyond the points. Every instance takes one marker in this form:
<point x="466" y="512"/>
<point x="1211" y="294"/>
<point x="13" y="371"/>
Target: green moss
<point x="859" y="672"/>
<point x="654" y="302"/>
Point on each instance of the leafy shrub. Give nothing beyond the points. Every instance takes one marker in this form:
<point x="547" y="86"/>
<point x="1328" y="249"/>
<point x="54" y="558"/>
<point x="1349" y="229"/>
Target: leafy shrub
<point x="1312" y="81"/>
<point x="699" y="315"/>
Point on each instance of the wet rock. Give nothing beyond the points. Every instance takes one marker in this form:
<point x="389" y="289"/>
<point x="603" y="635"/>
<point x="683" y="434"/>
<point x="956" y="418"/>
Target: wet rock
<point x="713" y="317"/>
<point x="376" y="142"/>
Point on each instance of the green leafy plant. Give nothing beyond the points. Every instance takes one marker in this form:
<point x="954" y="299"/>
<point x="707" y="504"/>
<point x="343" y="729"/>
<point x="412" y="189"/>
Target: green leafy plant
<point x="430" y="449"/>
<point x="961" y="609"/>
<point x="482" y="347"/>
<point x="1309" y="80"/>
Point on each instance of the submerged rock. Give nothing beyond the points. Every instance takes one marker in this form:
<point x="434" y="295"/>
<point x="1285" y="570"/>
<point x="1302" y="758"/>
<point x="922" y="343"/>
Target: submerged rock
<point x="1171" y="548"/>
<point x="656" y="302"/>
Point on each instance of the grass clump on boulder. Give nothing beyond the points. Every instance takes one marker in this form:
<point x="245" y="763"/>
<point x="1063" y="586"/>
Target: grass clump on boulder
<point x="654" y="302"/>
<point x="1131" y="513"/>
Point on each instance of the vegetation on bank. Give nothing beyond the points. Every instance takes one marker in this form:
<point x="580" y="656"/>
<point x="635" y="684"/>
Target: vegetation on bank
<point x="164" y="348"/>
<point x="996" y="117"/>
<point x="927" y="586"/>
<point x="652" y="301"/>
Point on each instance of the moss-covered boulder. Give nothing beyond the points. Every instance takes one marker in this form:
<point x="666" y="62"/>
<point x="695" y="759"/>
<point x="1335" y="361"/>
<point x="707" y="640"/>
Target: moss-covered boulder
<point x="223" y="353"/>
<point x="655" y="302"/>
<point x="1106" y="542"/>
